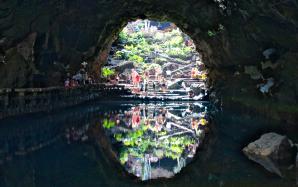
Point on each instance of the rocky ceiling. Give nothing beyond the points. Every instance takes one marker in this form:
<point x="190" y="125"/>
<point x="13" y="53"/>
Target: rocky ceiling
<point x="243" y="42"/>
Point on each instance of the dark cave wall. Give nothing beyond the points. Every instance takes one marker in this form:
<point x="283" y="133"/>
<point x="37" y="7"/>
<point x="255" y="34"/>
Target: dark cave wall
<point x="40" y="41"/>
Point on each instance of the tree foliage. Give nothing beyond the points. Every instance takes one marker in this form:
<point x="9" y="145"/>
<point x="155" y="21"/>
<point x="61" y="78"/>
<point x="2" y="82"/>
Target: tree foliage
<point x="140" y="45"/>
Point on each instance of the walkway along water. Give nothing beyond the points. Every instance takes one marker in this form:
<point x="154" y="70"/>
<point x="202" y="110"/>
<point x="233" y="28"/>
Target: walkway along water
<point x="28" y="100"/>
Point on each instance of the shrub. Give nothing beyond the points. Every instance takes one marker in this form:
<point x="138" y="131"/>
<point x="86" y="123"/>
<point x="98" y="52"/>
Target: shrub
<point x="136" y="59"/>
<point x="107" y="72"/>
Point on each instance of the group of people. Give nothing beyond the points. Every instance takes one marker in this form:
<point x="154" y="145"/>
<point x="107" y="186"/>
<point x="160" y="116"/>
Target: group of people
<point x="133" y="118"/>
<point x="157" y="120"/>
<point x="153" y="80"/>
<point x="80" y="78"/>
<point x="140" y="82"/>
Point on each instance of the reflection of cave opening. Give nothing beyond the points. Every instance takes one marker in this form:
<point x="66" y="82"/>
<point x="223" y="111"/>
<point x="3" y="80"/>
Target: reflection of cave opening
<point x="156" y="60"/>
<point x="157" y="140"/>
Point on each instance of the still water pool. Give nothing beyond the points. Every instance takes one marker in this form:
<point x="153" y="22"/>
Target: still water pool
<point x="134" y="144"/>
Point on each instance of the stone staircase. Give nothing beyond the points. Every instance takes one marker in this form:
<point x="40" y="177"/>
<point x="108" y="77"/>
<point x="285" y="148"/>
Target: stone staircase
<point x="169" y="94"/>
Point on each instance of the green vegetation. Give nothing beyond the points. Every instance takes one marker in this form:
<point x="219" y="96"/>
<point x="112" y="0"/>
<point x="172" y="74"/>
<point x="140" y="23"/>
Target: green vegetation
<point x="107" y="72"/>
<point x="141" y="45"/>
<point x="108" y="123"/>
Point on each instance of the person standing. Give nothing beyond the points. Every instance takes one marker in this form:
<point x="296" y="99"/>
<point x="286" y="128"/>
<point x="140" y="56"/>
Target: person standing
<point x="133" y="76"/>
<point x="153" y="85"/>
<point x="137" y="79"/>
<point x="145" y="85"/>
<point x="67" y="83"/>
<point x="194" y="73"/>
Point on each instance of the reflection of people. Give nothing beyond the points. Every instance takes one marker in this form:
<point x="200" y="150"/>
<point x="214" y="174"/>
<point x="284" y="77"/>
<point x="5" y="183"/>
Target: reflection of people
<point x="192" y="148"/>
<point x="127" y="119"/>
<point x="157" y="127"/>
<point x="117" y="119"/>
<point x="135" y="121"/>
<point x="160" y="119"/>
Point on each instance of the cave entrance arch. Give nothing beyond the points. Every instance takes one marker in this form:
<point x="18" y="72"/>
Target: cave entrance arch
<point x="155" y="59"/>
<point x="157" y="140"/>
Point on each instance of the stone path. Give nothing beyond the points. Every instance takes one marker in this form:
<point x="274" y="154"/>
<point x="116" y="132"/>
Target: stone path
<point x="169" y="94"/>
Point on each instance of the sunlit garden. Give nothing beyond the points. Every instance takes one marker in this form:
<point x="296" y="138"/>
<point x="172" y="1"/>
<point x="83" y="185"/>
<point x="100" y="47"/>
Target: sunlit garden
<point x="156" y="60"/>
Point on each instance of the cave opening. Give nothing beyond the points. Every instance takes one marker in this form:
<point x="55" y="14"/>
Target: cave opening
<point x="156" y="60"/>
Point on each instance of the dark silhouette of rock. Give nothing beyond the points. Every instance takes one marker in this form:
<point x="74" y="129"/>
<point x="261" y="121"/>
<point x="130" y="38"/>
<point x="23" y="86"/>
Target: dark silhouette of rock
<point x="25" y="48"/>
<point x="122" y="66"/>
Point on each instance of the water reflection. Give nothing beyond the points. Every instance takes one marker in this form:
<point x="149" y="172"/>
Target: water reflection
<point x="157" y="140"/>
<point x="75" y="134"/>
<point x="69" y="147"/>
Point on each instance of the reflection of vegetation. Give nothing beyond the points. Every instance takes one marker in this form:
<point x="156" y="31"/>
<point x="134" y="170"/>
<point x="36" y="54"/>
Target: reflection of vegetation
<point x="203" y="121"/>
<point x="106" y="72"/>
<point x="144" y="140"/>
<point x="151" y="137"/>
<point x="123" y="157"/>
<point x="108" y="123"/>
